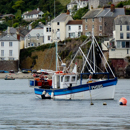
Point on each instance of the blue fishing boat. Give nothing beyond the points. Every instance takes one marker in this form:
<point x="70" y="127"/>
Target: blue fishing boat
<point x="67" y="85"/>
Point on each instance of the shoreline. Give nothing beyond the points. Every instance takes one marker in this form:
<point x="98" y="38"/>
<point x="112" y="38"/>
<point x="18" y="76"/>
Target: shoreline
<point x="17" y="75"/>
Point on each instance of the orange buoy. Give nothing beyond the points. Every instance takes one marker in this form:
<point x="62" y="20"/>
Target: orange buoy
<point x="123" y="101"/>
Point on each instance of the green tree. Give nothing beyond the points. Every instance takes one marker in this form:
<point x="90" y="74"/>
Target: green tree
<point x="80" y="13"/>
<point x="19" y="4"/>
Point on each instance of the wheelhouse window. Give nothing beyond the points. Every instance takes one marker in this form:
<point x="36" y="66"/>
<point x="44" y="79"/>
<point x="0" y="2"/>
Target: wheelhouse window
<point x="73" y="78"/>
<point x="121" y="35"/>
<point x="10" y="44"/>
<point x="67" y="78"/>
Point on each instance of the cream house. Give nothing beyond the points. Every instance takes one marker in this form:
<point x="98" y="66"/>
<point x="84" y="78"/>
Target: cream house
<point x="120" y="48"/>
<point x="58" y="26"/>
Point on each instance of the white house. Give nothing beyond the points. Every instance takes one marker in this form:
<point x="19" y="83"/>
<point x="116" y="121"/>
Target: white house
<point x="9" y="48"/>
<point x="47" y="33"/>
<point x="74" y="28"/>
<point x="78" y="3"/>
<point x="120" y="48"/>
<point x="82" y="4"/>
<point x="59" y="25"/>
<point x="34" y="38"/>
<point x="32" y="15"/>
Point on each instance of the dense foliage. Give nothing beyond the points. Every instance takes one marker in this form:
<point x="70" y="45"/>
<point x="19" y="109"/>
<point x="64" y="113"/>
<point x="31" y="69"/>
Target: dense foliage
<point x="80" y="13"/>
<point x="18" y="7"/>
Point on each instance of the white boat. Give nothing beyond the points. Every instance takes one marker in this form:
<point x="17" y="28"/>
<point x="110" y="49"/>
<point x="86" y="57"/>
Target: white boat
<point x="65" y="84"/>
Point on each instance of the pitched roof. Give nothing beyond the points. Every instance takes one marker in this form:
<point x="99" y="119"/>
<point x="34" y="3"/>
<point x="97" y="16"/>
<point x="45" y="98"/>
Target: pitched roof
<point x="11" y="30"/>
<point x="122" y="20"/>
<point x="61" y="18"/>
<point x="106" y="12"/>
<point x="32" y="12"/>
<point x="74" y="22"/>
<point x="92" y="13"/>
<point x="8" y="37"/>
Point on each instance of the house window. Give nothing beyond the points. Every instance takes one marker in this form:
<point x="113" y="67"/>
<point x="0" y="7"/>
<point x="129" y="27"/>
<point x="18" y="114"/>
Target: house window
<point x="38" y="44"/>
<point x="127" y="44"/>
<point x="49" y="29"/>
<point x="118" y="44"/>
<point x="128" y="28"/>
<point x="128" y="35"/>
<point x="100" y="34"/>
<point x="120" y="27"/>
<point x="2" y="43"/>
<point x="100" y="27"/>
<point x="49" y="38"/>
<point x="86" y="27"/>
<point x="100" y="19"/>
<point x="71" y="35"/>
<point x="38" y="36"/>
<point x="79" y="27"/>
<point x="10" y="52"/>
<point x="28" y="44"/>
<point x="123" y="44"/>
<point x="69" y="27"/>
<point x="92" y="26"/>
<point x="2" y="52"/>
<point x="86" y="20"/>
<point x="93" y="20"/>
<point x="29" y="36"/>
<point x="121" y="35"/>
<point x="79" y="34"/>
<point x="10" y="44"/>
<point x="58" y="23"/>
<point x="127" y="51"/>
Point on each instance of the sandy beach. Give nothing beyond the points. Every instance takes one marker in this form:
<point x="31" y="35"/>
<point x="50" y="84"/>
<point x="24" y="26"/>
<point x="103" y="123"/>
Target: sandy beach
<point x="17" y="75"/>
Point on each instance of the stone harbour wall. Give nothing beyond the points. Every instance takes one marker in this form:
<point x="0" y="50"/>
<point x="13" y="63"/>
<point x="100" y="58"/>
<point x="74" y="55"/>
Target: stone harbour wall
<point x="9" y="65"/>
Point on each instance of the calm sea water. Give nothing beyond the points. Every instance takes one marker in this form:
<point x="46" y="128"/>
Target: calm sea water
<point x="20" y="109"/>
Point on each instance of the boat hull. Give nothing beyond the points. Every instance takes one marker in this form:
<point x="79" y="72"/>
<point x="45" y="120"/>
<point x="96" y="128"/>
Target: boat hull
<point x="98" y="90"/>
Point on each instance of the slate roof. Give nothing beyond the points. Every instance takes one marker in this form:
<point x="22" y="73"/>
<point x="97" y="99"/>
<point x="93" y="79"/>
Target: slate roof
<point x="60" y="18"/>
<point x="8" y="37"/>
<point x="74" y="22"/>
<point x="107" y="12"/>
<point x="32" y="12"/>
<point x="92" y="13"/>
<point x="12" y="30"/>
<point x="104" y="13"/>
<point x="122" y="20"/>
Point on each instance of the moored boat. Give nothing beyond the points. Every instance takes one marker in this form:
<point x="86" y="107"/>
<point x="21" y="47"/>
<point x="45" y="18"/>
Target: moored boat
<point x="65" y="84"/>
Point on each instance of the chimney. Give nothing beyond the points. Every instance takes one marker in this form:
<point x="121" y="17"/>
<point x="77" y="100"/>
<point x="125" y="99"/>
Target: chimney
<point x="112" y="7"/>
<point x="67" y="12"/>
<point x="37" y="9"/>
<point x="91" y="7"/>
<point x="8" y="30"/>
<point x="18" y="36"/>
